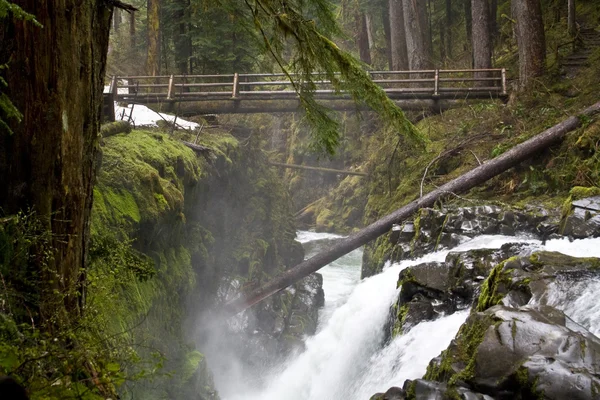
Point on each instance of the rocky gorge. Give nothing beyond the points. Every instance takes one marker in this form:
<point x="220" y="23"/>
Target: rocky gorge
<point x="519" y="341"/>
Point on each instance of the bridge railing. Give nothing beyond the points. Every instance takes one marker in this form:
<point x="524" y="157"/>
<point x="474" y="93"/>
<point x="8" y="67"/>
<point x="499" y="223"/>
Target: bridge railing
<point x="459" y="83"/>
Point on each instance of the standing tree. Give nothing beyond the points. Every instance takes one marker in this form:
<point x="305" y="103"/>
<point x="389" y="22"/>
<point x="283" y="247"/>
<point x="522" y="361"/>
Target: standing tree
<point x="448" y="27"/>
<point x="362" y="36"/>
<point x="418" y="40"/>
<point x="531" y="41"/>
<point x="55" y="75"/>
<point x="399" y="53"/>
<point x="153" y="60"/>
<point x="481" y="39"/>
<point x="571" y="18"/>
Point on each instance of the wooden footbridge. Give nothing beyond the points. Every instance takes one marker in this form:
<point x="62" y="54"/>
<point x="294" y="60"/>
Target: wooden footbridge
<point x="269" y="93"/>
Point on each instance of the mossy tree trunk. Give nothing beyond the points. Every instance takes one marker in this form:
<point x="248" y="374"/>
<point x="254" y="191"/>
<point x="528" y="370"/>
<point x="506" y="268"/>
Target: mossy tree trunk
<point x="153" y="60"/>
<point x="55" y="78"/>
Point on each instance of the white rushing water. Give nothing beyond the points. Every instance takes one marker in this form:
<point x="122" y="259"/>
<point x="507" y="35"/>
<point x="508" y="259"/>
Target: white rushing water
<point x="579" y="300"/>
<point x="347" y="360"/>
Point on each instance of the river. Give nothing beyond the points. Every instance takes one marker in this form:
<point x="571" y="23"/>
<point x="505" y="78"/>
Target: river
<point x="347" y="359"/>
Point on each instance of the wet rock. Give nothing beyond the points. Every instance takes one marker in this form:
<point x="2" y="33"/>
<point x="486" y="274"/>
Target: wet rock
<point x="440" y="288"/>
<point x="519" y="280"/>
<point x="393" y="393"/>
<point x="583" y="219"/>
<point x="434" y="229"/>
<point x="523" y="353"/>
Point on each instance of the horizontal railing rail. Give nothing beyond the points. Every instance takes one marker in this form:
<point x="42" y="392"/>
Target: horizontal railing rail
<point x="397" y="84"/>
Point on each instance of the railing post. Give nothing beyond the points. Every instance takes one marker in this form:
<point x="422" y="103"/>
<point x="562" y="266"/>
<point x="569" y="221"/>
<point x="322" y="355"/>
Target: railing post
<point x="170" y="91"/>
<point x="504" y="91"/>
<point x="436" y="85"/>
<point x="236" y="81"/>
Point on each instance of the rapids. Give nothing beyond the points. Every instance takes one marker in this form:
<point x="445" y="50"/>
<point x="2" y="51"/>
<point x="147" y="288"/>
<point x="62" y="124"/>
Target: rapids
<point x="348" y="359"/>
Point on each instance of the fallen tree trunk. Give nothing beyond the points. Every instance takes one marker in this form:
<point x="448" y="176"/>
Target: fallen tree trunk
<point x="196" y="147"/>
<point x="319" y="169"/>
<point x="461" y="184"/>
<point x="114" y="128"/>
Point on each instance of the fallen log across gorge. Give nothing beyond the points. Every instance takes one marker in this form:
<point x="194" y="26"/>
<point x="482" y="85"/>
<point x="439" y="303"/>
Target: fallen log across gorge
<point x="461" y="184"/>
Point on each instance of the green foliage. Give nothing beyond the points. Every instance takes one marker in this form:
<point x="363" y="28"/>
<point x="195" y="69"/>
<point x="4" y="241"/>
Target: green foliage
<point x="314" y="56"/>
<point x="51" y="355"/>
<point x="8" y="110"/>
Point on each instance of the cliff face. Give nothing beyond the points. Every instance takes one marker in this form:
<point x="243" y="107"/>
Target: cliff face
<point x="175" y="234"/>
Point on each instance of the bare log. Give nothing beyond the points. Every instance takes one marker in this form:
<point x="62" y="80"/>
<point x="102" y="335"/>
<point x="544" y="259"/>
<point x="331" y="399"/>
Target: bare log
<point x="461" y="184"/>
<point x="319" y="169"/>
<point x="114" y="128"/>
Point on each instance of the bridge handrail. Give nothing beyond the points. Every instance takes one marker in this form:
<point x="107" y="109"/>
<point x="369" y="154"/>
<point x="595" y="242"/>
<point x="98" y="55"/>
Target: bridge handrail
<point x="186" y="86"/>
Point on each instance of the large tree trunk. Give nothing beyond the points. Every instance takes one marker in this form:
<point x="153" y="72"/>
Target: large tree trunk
<point x="362" y="37"/>
<point x="572" y="24"/>
<point x="182" y="39"/>
<point x="481" y="40"/>
<point x="153" y="61"/>
<point x="448" y="29"/>
<point x="494" y="20"/>
<point x="531" y="41"/>
<point x="468" y="20"/>
<point x="385" y="15"/>
<point x="418" y="41"/>
<point x="398" y="36"/>
<point x="55" y="79"/>
<point x="461" y="184"/>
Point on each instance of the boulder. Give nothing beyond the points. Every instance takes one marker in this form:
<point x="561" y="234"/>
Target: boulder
<point x="435" y="229"/>
<point x="441" y="288"/>
<point x="515" y="281"/>
<point x="524" y="353"/>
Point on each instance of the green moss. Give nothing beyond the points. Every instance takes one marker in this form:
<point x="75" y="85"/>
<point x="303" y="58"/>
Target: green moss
<point x="528" y="387"/>
<point x="400" y="319"/>
<point x="495" y="287"/>
<point x="457" y="363"/>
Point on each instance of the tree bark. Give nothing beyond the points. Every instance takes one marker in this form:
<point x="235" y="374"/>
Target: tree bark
<point x="531" y="41"/>
<point x="116" y="20"/>
<point x="182" y="39"/>
<point x="153" y="60"/>
<point x="468" y="21"/>
<point x="493" y="21"/>
<point x="418" y="43"/>
<point x="132" y="38"/>
<point x="55" y="78"/>
<point x="362" y="37"/>
<point x="448" y="28"/>
<point x="481" y="40"/>
<point x="461" y="184"/>
<point x="572" y="24"/>
<point x="399" y="52"/>
<point x="385" y="15"/>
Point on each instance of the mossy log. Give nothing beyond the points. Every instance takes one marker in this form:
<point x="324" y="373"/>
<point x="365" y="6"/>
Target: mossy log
<point x="114" y="128"/>
<point x="461" y="184"/>
<point x="318" y="169"/>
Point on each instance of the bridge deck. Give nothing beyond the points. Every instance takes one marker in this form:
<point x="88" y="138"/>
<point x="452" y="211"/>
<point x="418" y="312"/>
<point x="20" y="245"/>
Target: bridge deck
<point x="250" y="93"/>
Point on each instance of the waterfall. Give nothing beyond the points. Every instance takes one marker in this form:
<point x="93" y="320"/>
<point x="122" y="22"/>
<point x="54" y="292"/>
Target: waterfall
<point x="347" y="358"/>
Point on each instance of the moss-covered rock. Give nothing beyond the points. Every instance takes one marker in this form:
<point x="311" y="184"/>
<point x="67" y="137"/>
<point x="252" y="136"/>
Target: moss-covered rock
<point x="515" y="281"/>
<point x="536" y="354"/>
<point x="210" y="225"/>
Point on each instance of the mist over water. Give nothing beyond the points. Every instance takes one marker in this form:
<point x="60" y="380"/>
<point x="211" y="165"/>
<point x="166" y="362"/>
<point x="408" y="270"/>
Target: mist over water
<point x="347" y="358"/>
